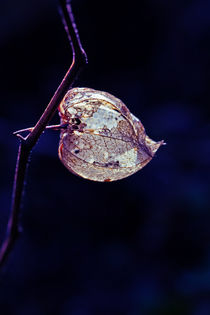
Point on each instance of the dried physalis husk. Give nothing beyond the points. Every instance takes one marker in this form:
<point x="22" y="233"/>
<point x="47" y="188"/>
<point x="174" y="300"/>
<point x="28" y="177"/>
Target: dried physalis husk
<point x="103" y="141"/>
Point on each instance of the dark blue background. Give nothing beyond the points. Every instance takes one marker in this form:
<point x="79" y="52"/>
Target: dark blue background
<point x="140" y="246"/>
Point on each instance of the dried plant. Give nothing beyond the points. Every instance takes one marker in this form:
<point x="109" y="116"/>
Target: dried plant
<point x="100" y="140"/>
<point x="27" y="143"/>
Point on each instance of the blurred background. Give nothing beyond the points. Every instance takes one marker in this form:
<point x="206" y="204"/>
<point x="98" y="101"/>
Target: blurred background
<point x="139" y="246"/>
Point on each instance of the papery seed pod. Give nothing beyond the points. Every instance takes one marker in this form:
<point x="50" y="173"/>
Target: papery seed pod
<point x="103" y="141"/>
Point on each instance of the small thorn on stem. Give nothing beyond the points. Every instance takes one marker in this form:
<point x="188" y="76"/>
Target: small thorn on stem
<point x="19" y="136"/>
<point x="52" y="127"/>
<point x="17" y="133"/>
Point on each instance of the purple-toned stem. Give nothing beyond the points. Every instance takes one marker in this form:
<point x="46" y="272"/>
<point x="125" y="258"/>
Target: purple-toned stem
<point x="26" y="144"/>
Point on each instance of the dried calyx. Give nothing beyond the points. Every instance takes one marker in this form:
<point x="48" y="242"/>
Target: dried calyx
<point x="103" y="141"/>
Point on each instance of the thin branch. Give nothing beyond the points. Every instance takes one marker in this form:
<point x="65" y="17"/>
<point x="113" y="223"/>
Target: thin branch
<point x="26" y="144"/>
<point x="51" y="127"/>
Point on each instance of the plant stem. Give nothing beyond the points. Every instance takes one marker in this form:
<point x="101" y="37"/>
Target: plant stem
<point x="26" y="144"/>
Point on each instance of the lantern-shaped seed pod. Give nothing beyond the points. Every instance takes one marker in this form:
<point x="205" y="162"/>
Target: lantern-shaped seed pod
<point x="103" y="141"/>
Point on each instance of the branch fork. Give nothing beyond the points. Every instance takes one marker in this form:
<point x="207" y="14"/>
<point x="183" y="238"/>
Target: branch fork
<point x="27" y="143"/>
